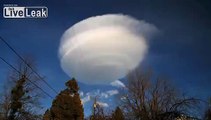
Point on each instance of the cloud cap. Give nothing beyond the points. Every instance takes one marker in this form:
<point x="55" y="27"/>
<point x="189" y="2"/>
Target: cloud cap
<point x="101" y="49"/>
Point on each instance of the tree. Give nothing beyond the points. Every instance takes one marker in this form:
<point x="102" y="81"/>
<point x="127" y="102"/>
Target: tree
<point x="5" y="103"/>
<point x="20" y="98"/>
<point x="17" y="94"/>
<point x="98" y="111"/>
<point x="47" y="115"/>
<point x="118" y="115"/>
<point x="207" y="115"/>
<point x="67" y="105"/>
<point x="148" y="100"/>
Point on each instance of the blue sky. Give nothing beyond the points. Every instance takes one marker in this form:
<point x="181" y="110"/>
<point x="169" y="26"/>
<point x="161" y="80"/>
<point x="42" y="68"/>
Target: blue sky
<point x="181" y="50"/>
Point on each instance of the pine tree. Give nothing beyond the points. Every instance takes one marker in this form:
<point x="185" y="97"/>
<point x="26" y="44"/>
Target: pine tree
<point x="118" y="115"/>
<point x="67" y="105"/>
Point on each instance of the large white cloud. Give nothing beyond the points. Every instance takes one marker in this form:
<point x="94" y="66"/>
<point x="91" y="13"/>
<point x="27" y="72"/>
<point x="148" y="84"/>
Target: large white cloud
<point x="102" y="49"/>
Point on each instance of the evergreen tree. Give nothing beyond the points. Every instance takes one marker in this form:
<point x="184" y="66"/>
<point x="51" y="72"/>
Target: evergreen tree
<point x="118" y="115"/>
<point x="67" y="105"/>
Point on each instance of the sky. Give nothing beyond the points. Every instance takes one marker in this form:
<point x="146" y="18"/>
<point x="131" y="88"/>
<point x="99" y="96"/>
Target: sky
<point x="181" y="50"/>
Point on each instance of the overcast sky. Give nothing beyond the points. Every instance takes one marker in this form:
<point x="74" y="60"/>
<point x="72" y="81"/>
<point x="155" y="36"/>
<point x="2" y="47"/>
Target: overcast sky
<point x="181" y="50"/>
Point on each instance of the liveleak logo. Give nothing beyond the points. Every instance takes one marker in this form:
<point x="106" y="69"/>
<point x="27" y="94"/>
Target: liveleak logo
<point x="25" y="12"/>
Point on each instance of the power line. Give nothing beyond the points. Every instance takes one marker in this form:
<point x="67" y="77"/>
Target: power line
<point x="28" y="65"/>
<point x="26" y="78"/>
<point x="10" y="65"/>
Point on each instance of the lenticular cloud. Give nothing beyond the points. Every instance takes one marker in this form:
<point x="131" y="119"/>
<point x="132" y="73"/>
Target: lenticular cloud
<point x="102" y="49"/>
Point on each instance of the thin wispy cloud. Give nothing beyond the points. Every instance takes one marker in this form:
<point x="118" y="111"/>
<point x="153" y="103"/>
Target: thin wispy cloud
<point x="81" y="93"/>
<point x="102" y="104"/>
<point x="86" y="99"/>
<point x="112" y="92"/>
<point x="118" y="83"/>
<point x="100" y="95"/>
